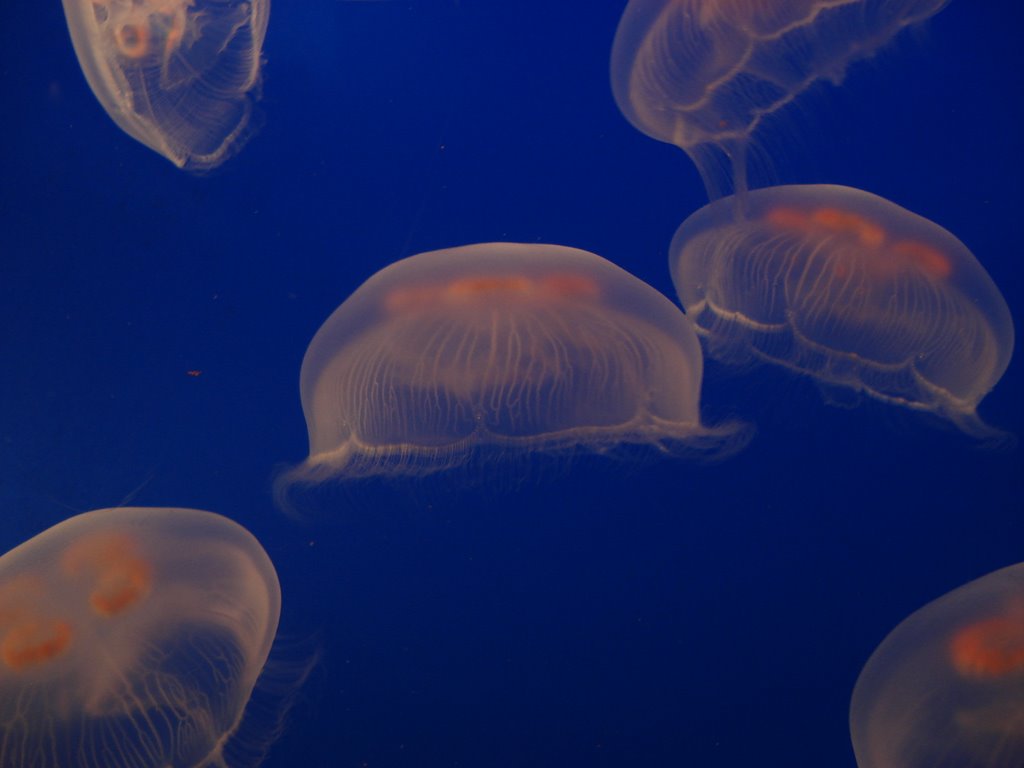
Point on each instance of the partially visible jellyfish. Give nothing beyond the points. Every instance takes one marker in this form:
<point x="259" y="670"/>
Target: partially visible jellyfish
<point x="946" y="687"/>
<point x="497" y="346"/>
<point x="703" y="74"/>
<point x="181" y="76"/>
<point x="131" y="637"/>
<point x="849" y="288"/>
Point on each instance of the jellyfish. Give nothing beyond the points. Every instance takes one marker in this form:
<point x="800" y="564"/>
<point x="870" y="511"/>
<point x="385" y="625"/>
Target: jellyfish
<point x="849" y="288"/>
<point x="503" y="346"/>
<point x="131" y="637"/>
<point x="703" y="74"/>
<point x="946" y="687"/>
<point x="180" y="76"/>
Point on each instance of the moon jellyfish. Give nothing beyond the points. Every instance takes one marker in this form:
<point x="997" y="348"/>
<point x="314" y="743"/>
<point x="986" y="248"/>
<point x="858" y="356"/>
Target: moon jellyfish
<point x="496" y="346"/>
<point x="180" y="76"/>
<point x="851" y="289"/>
<point x="131" y="637"/>
<point x="703" y="74"/>
<point x="946" y="687"/>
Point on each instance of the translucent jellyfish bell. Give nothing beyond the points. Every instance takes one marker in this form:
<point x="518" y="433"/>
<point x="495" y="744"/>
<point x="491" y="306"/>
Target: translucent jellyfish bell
<point x="946" y="687"/>
<point x="499" y="345"/>
<point x="180" y="76"/>
<point x="851" y="289"/>
<point x="131" y="637"/>
<point x="703" y="74"/>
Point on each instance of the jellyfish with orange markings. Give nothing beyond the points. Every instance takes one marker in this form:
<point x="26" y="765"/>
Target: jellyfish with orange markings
<point x="497" y="348"/>
<point x="851" y="289"/>
<point x="132" y="637"/>
<point x="180" y="76"/>
<point x="946" y="687"/>
<point x="704" y="74"/>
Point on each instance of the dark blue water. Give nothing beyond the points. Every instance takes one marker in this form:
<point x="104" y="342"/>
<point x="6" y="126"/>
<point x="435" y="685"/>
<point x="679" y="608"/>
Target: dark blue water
<point x="660" y="613"/>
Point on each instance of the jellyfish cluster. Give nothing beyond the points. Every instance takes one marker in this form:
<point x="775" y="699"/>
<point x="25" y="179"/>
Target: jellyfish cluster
<point x="828" y="281"/>
<point x="852" y="290"/>
<point x="135" y="637"/>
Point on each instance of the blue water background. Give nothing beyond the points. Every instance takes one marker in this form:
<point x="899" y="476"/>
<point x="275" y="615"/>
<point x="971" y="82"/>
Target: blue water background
<point x="656" y="613"/>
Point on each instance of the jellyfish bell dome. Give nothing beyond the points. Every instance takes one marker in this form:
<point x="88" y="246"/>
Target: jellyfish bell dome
<point x="132" y="637"/>
<point x="946" y="686"/>
<point x="704" y="74"/>
<point x="180" y="76"/>
<point x="496" y="346"/>
<point x="851" y="289"/>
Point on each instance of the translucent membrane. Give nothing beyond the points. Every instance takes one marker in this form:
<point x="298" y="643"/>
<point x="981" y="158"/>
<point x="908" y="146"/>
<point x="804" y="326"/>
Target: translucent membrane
<point x="851" y="289"/>
<point x="131" y="637"/>
<point x="181" y="76"/>
<point x="946" y="687"/>
<point x="500" y="345"/>
<point x="703" y="74"/>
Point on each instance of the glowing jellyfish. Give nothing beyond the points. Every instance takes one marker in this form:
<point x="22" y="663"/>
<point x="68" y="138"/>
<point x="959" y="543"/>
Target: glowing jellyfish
<point x="702" y="74"/>
<point x="946" y="687"/>
<point x="131" y="637"/>
<point x="851" y="289"/>
<point x="181" y="76"/>
<point x="502" y="346"/>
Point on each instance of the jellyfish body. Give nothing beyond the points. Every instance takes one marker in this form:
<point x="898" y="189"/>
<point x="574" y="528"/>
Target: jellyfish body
<point x="946" y="687"/>
<point x="703" y="74"/>
<point x="180" y="76"/>
<point x="131" y="637"/>
<point x="851" y="289"/>
<point x="502" y="345"/>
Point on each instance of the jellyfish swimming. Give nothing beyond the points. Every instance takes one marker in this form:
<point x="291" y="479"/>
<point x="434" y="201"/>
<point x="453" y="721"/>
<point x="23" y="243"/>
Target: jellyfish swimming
<point x="180" y="76"/>
<point x="946" y="687"/>
<point x="849" y="288"/>
<point x="132" y="637"/>
<point x="499" y="346"/>
<point x="703" y="74"/>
